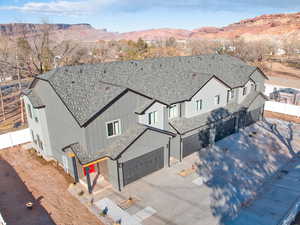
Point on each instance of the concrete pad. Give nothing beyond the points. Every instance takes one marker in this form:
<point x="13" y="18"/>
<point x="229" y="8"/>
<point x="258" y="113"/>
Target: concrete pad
<point x="145" y="213"/>
<point x="199" y="181"/>
<point x="226" y="181"/>
<point x="116" y="213"/>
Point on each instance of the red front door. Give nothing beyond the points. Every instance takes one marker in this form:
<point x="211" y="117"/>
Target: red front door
<point x="92" y="169"/>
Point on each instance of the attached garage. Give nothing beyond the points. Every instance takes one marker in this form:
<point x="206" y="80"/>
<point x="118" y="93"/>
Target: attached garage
<point x="195" y="142"/>
<point x="225" y="128"/>
<point x="253" y="116"/>
<point x="139" y="167"/>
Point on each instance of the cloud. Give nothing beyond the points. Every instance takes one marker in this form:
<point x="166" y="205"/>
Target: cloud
<point x="84" y="7"/>
<point x="61" y="7"/>
<point x="209" y="5"/>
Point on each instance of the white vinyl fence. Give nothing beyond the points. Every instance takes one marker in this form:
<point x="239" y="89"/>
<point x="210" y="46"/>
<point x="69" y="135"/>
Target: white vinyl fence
<point x="14" y="138"/>
<point x="2" y="222"/>
<point x="293" y="110"/>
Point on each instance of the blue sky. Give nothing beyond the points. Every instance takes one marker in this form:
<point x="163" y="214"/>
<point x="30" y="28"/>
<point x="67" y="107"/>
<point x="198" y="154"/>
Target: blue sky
<point x="130" y="15"/>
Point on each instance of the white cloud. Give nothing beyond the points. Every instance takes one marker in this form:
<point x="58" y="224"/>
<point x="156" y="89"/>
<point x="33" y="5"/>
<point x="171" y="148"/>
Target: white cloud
<point x="61" y="7"/>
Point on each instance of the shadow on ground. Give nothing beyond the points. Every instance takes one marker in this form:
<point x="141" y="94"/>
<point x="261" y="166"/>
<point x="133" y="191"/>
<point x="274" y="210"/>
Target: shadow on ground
<point x="13" y="197"/>
<point x="235" y="173"/>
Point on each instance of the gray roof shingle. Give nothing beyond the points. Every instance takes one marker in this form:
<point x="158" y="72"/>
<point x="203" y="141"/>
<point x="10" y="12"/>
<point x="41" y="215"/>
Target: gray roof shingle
<point x="114" y="149"/>
<point x="86" y="89"/>
<point x="184" y="125"/>
<point x="34" y="98"/>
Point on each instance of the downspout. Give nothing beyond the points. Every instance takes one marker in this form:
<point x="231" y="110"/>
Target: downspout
<point x="180" y="149"/>
<point x="119" y="183"/>
<point x="169" y="152"/>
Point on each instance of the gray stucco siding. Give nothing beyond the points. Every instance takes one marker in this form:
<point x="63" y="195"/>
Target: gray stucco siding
<point x="259" y="80"/>
<point x="175" y="147"/>
<point x="257" y="103"/>
<point x="148" y="142"/>
<point x="38" y="127"/>
<point x="62" y="127"/>
<point x="124" y="110"/>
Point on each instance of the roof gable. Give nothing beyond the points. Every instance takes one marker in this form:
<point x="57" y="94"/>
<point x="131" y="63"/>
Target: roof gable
<point x="86" y="89"/>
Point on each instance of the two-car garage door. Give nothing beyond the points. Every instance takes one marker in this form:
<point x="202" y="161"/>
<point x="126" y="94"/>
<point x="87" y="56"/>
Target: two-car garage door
<point x="225" y="129"/>
<point x="195" y="142"/>
<point x="141" y="166"/>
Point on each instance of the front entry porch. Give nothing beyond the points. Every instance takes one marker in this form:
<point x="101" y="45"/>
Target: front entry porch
<point x="92" y="176"/>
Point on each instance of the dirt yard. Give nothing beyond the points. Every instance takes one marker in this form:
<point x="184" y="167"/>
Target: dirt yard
<point x="282" y="116"/>
<point x="281" y="70"/>
<point x="26" y="177"/>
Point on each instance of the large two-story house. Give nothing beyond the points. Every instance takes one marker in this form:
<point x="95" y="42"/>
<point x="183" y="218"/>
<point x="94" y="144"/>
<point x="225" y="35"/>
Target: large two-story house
<point x="125" y="120"/>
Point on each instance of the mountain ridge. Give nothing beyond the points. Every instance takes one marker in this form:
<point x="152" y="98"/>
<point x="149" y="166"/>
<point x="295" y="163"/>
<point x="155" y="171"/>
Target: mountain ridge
<point x="276" y="26"/>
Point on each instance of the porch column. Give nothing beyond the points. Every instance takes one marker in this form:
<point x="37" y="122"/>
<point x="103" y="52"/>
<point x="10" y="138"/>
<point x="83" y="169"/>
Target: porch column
<point x="75" y="170"/>
<point x="88" y="179"/>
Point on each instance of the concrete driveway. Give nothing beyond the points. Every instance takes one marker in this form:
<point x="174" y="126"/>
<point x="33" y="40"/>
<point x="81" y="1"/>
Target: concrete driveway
<point x="227" y="178"/>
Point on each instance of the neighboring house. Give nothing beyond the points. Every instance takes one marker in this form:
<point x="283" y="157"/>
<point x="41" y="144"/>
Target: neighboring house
<point x="284" y="95"/>
<point x="124" y="120"/>
<point x="283" y="90"/>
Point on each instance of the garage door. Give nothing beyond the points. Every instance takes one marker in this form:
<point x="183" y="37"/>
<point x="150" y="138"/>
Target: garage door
<point x="252" y="116"/>
<point x="225" y="129"/>
<point x="195" y="142"/>
<point x="141" y="166"/>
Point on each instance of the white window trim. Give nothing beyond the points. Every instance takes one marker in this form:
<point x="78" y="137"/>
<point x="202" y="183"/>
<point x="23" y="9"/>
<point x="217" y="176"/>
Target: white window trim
<point x="246" y="91"/>
<point x="200" y="105"/>
<point x="217" y="99"/>
<point x="232" y="93"/>
<point x="120" y="128"/>
<point x="175" y="113"/>
<point x="155" y="117"/>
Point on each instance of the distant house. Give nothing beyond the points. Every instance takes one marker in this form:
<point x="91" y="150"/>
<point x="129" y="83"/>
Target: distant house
<point x="7" y="78"/>
<point x="284" y="95"/>
<point x="283" y="90"/>
<point x="125" y="120"/>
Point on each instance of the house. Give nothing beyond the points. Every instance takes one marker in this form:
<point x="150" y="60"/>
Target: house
<point x="124" y="120"/>
<point x="284" y="95"/>
<point x="283" y="90"/>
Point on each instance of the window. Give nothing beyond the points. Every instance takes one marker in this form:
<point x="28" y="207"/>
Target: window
<point x="231" y="94"/>
<point x="113" y="128"/>
<point x="29" y="110"/>
<point x="152" y="118"/>
<point x="244" y="91"/>
<point x="173" y="112"/>
<point x="35" y="112"/>
<point x="198" y="105"/>
<point x="217" y="99"/>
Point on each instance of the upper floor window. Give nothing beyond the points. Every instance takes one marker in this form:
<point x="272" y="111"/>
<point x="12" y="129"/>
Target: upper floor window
<point x="217" y="99"/>
<point x="173" y="111"/>
<point x="198" y="105"/>
<point x="152" y="118"/>
<point x="231" y="94"/>
<point x="29" y="110"/>
<point x="244" y="91"/>
<point x="113" y="128"/>
<point x="35" y="114"/>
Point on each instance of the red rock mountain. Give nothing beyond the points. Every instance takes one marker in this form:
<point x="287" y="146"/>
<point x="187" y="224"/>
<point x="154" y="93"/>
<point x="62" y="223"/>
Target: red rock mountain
<point x="276" y="26"/>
